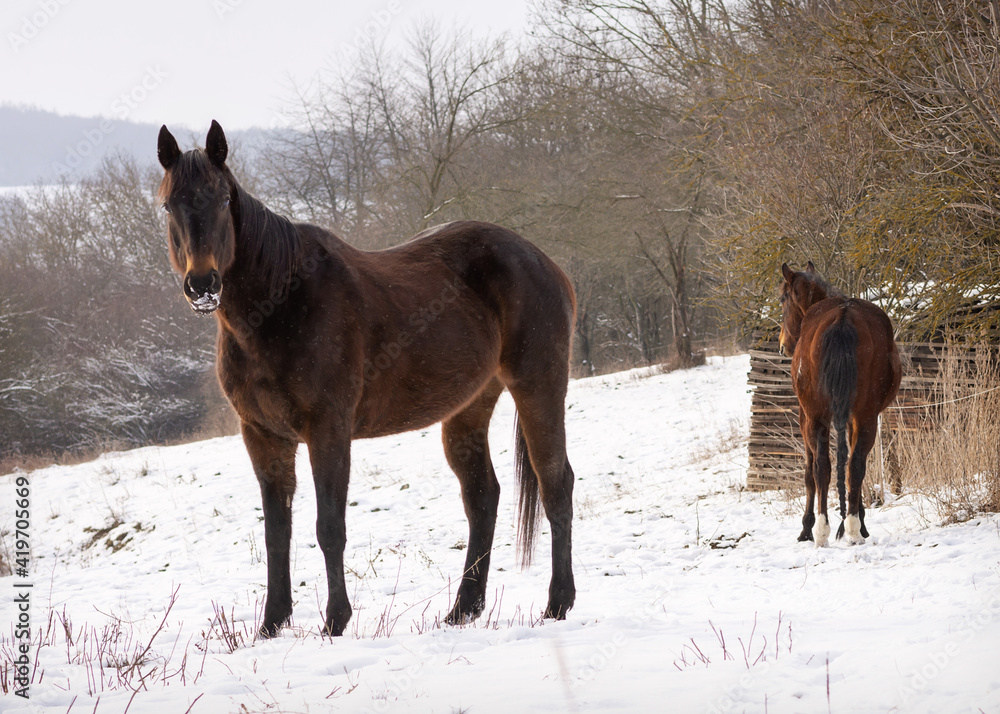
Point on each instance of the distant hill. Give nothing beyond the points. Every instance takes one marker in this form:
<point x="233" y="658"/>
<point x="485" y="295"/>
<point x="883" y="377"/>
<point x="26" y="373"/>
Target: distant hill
<point x="38" y="146"/>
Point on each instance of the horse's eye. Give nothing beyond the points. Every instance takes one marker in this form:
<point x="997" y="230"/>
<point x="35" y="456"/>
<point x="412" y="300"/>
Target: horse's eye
<point x="225" y="202"/>
<point x="166" y="208"/>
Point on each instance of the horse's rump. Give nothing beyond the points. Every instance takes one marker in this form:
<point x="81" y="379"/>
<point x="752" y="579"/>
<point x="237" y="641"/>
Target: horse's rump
<point x="839" y="367"/>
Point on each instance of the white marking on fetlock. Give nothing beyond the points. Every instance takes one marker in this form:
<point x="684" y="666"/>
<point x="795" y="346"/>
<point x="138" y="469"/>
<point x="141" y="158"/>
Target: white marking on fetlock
<point x="852" y="530"/>
<point x="821" y="531"/>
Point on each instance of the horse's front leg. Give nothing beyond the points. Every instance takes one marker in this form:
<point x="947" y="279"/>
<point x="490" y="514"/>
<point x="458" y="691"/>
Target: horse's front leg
<point x="273" y="459"/>
<point x="330" y="455"/>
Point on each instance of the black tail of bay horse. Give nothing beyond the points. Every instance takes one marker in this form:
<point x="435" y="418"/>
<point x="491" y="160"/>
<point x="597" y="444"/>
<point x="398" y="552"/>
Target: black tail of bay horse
<point x="839" y="375"/>
<point x="322" y="343"/>
<point x="845" y="372"/>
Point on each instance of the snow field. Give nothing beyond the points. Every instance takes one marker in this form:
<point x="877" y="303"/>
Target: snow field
<point x="693" y="595"/>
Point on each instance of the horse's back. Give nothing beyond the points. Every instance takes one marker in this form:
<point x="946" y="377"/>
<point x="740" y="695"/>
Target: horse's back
<point x="521" y="286"/>
<point x="488" y="256"/>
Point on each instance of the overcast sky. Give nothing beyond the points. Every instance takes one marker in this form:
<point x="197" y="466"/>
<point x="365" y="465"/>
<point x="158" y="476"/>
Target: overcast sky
<point x="187" y="62"/>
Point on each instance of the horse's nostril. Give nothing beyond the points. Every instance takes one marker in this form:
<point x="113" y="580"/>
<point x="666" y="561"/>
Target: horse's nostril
<point x="197" y="286"/>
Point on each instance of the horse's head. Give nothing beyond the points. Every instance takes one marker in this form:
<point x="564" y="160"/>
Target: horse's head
<point x="799" y="292"/>
<point x="196" y="192"/>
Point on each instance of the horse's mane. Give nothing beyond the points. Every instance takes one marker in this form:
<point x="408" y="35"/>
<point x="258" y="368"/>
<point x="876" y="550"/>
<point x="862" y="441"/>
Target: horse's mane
<point x="270" y="242"/>
<point x="824" y="285"/>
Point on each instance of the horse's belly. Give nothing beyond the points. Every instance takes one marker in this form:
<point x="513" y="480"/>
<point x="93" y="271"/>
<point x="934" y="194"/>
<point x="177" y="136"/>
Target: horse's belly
<point x="421" y="390"/>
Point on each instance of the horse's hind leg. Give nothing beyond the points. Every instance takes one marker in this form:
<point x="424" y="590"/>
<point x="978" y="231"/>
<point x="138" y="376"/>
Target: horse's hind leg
<point x="854" y="524"/>
<point x="541" y="415"/>
<point x="273" y="460"/>
<point x="467" y="450"/>
<point x="809" y="517"/>
<point x="819" y="439"/>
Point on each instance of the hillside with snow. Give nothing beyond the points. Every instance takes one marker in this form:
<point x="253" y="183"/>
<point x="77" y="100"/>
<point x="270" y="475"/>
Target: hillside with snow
<point x="147" y="574"/>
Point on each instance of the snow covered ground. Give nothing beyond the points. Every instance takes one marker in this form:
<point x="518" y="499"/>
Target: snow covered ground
<point x="693" y="594"/>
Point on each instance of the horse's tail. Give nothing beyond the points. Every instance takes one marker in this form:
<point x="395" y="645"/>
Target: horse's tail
<point x="839" y="380"/>
<point x="528" y="501"/>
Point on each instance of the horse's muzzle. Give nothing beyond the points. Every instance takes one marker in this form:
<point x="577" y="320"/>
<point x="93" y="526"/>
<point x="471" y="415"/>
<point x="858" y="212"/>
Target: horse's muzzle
<point x="204" y="292"/>
<point x="206" y="304"/>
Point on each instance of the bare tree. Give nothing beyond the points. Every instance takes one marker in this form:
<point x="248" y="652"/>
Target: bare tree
<point x="95" y="346"/>
<point x="861" y="136"/>
<point x="380" y="148"/>
<point x="326" y="168"/>
<point x="663" y="60"/>
<point x="449" y="99"/>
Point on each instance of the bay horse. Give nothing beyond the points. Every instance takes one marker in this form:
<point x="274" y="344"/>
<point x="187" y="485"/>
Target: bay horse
<point x="322" y="343"/>
<point x="845" y="372"/>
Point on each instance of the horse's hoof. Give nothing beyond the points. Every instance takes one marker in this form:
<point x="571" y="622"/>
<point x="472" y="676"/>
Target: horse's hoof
<point x="458" y="618"/>
<point x="337" y="617"/>
<point x="336" y="623"/>
<point x="466" y="609"/>
<point x="275" y="617"/>
<point x="561" y="599"/>
<point x="821" y="532"/>
<point x="804" y="536"/>
<point x="266" y="632"/>
<point x="557" y="611"/>
<point x="332" y="630"/>
<point x="852" y="528"/>
<point x="462" y="615"/>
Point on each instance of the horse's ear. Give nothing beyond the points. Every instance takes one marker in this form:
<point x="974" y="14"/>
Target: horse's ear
<point x="215" y="145"/>
<point x="167" y="150"/>
<point x="787" y="273"/>
<point x="810" y="268"/>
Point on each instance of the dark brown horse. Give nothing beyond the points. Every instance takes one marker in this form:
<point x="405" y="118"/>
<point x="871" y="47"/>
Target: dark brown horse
<point x="322" y="343"/>
<point x="845" y="371"/>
